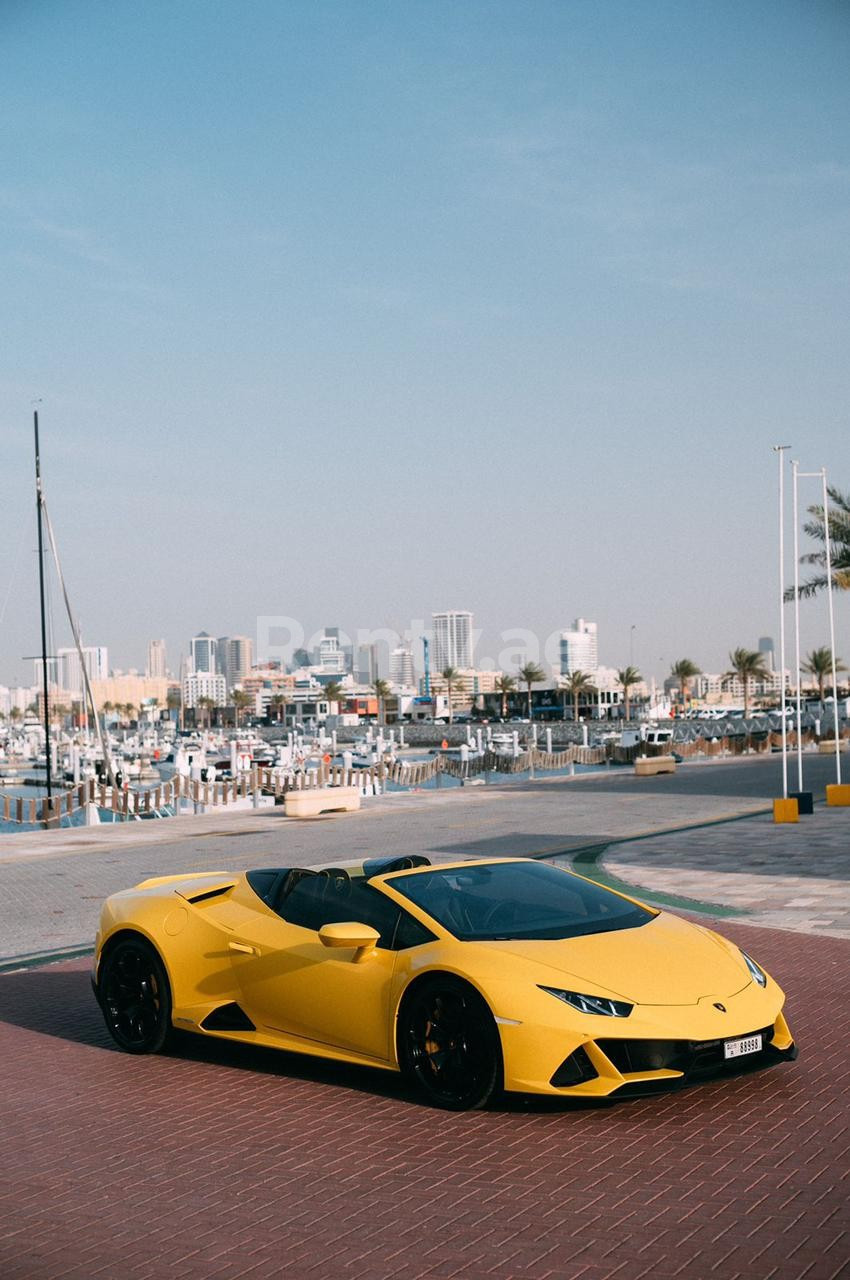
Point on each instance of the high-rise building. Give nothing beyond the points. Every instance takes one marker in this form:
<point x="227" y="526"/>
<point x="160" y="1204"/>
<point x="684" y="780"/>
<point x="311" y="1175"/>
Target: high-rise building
<point x="579" y="648"/>
<point x="69" y="674"/>
<point x="156" y="659"/>
<point x="202" y="653"/>
<point x="329" y="654"/>
<point x="452" y="640"/>
<point x="52" y="671"/>
<point x="366" y="668"/>
<point x="401" y="667"/>
<point x="240" y="658"/>
<point x="767" y="652"/>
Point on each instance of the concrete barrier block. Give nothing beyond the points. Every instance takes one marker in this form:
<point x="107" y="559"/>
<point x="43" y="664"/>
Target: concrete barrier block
<point x="309" y="804"/>
<point x="786" y="810"/>
<point x="838" y="793"/>
<point x="648" y="766"/>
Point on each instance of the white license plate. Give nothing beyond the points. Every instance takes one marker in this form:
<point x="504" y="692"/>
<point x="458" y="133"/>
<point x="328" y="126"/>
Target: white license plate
<point x="737" y="1048"/>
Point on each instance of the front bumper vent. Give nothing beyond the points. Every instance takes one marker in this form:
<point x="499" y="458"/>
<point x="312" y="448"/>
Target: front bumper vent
<point x="574" y="1070"/>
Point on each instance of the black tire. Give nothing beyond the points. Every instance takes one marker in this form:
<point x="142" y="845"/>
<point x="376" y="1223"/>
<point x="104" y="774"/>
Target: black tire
<point x="449" y="1044"/>
<point x="135" y="997"/>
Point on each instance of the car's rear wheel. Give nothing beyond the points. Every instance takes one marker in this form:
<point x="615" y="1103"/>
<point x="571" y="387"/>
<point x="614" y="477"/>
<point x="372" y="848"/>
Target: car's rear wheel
<point x="449" y="1044"/>
<point x="135" y="996"/>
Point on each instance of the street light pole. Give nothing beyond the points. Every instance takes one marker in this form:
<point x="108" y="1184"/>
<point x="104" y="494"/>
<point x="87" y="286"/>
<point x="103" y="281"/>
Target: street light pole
<point x="831" y="626"/>
<point x="795" y="473"/>
<point x="779" y="450"/>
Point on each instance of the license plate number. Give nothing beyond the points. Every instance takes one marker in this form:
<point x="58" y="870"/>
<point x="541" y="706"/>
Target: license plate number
<point x="737" y="1048"/>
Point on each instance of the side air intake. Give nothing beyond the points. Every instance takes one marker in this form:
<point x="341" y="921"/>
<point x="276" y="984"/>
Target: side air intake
<point x="228" y="1017"/>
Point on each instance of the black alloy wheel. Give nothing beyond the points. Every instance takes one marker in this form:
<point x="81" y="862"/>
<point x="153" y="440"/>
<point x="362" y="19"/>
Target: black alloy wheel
<point x="135" y="997"/>
<point x="449" y="1045"/>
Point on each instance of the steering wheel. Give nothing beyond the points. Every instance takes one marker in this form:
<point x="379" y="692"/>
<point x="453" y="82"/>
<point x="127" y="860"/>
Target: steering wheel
<point x="488" y="923"/>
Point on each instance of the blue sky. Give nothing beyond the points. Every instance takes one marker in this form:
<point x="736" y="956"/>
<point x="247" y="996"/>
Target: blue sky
<point x="351" y="311"/>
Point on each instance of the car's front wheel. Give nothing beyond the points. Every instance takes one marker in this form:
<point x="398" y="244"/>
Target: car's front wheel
<point x="135" y="996"/>
<point x="449" y="1044"/>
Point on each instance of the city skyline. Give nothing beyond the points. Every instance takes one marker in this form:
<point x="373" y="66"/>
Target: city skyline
<point x="513" y="319"/>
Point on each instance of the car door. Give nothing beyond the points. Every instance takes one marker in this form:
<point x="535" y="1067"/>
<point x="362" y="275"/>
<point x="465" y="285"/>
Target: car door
<point x="292" y="982"/>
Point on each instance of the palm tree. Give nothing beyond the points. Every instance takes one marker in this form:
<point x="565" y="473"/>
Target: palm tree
<point x="626" y="678"/>
<point x="206" y="704"/>
<point x="531" y="673"/>
<point x="576" y="683"/>
<point x="334" y="691"/>
<point x="241" y="701"/>
<point x="839" y="537"/>
<point x="129" y="711"/>
<point x="279" y="701"/>
<point x="15" y="714"/>
<point x="58" y="712"/>
<point x="105" y="710"/>
<point x="153" y="708"/>
<point x="382" y="692"/>
<point x="684" y="670"/>
<point x="451" y="675"/>
<point x="746" y="665"/>
<point x="504" y="686"/>
<point x="819" y="664"/>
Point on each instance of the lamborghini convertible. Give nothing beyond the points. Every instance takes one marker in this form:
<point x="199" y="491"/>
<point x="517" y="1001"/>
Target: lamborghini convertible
<point x="468" y="977"/>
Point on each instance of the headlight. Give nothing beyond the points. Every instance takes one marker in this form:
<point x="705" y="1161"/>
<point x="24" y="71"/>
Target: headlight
<point x="592" y="1004"/>
<point x="758" y="975"/>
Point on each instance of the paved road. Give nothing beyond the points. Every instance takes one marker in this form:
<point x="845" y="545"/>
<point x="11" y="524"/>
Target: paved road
<point x="227" y="1163"/>
<point x="53" y="882"/>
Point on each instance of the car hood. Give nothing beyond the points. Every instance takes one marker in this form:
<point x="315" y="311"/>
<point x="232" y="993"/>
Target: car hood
<point x="667" y="961"/>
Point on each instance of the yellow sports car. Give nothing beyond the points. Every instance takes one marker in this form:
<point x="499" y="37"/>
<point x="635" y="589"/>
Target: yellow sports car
<point x="469" y="977"/>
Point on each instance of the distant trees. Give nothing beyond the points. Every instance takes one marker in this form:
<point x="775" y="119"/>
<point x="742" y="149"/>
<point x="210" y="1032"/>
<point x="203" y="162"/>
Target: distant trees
<point x="819" y="664"/>
<point x="334" y="691"/>
<point x="206" y="705"/>
<point x="451" y="675"/>
<point x="241" y="702"/>
<point x="627" y="679"/>
<point x="683" y="671"/>
<point x="279" y="702"/>
<point x="573" y="686"/>
<point x="504" y="686"/>
<point x="531" y="673"/>
<point x="382" y="692"/>
<point x="746" y="665"/>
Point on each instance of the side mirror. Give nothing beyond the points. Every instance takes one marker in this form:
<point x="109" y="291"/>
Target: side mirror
<point x="350" y="934"/>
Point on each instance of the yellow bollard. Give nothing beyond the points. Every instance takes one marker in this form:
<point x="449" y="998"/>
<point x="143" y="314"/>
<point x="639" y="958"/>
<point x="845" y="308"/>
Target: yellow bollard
<point x="786" y="811"/>
<point x="838" y="793"/>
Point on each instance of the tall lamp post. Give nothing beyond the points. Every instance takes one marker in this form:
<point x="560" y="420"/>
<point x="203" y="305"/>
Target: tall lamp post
<point x="779" y="450"/>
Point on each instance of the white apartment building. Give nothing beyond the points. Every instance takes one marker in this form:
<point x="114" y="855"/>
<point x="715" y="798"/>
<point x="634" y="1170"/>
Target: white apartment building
<point x="717" y="687"/>
<point x="401" y="667"/>
<point x="204" y="684"/>
<point x="156" y="659"/>
<point x="452" y="646"/>
<point x="580" y="648"/>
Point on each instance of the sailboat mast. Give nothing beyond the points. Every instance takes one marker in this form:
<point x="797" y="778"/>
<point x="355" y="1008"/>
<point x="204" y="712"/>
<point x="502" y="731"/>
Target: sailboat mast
<point x="39" y="501"/>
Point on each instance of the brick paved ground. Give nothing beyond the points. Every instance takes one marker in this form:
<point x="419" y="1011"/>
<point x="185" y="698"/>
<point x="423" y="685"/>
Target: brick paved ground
<point x="230" y="1163"/>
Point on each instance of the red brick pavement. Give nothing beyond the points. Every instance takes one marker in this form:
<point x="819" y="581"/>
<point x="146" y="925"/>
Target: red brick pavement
<point x="224" y="1162"/>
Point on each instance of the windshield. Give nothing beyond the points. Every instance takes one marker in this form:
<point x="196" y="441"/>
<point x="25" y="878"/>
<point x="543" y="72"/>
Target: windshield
<point x="517" y="900"/>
